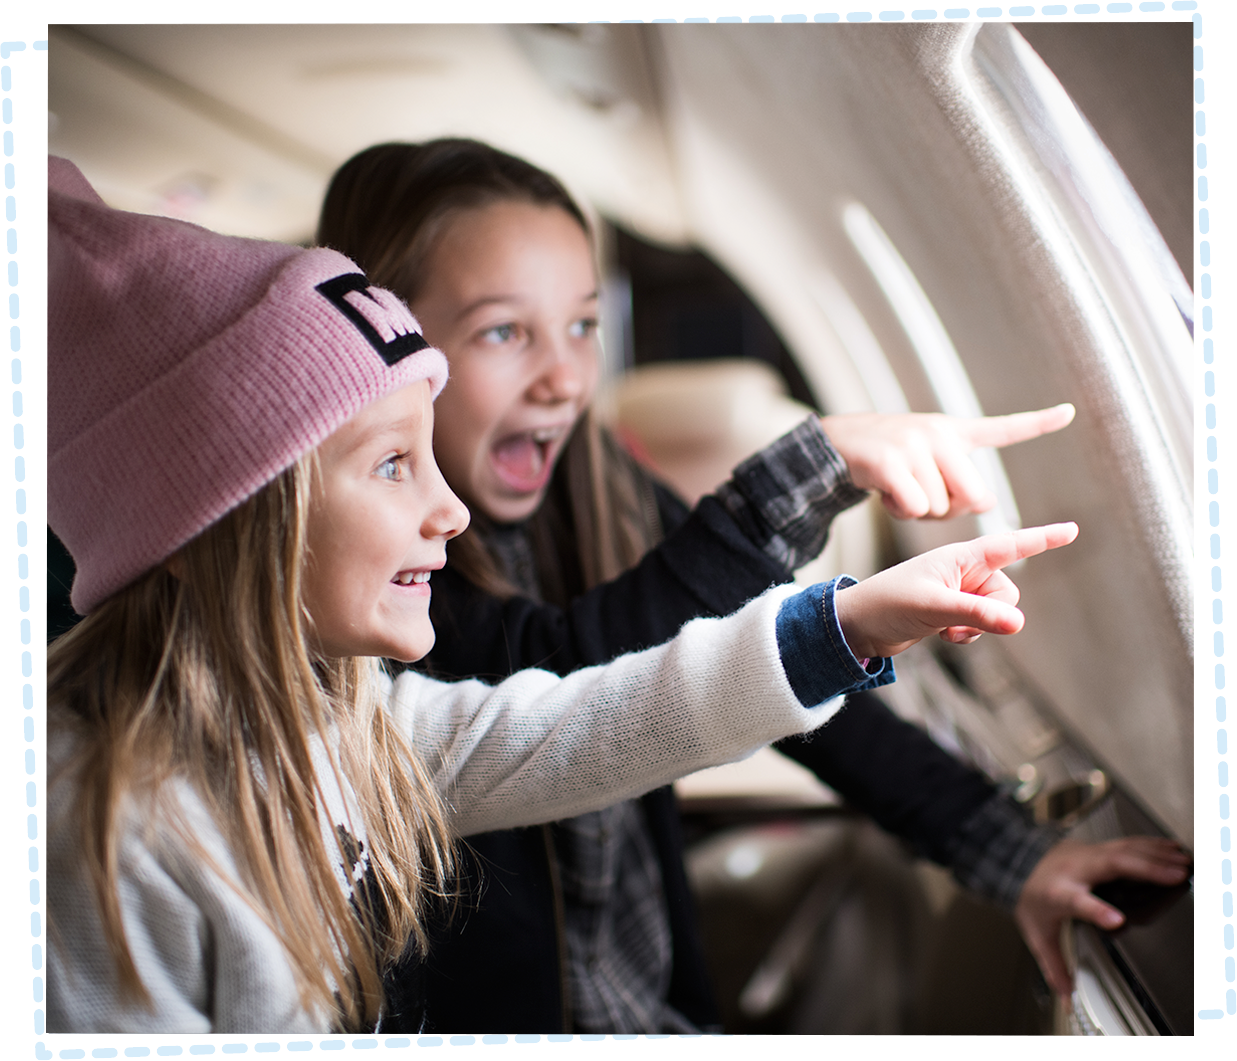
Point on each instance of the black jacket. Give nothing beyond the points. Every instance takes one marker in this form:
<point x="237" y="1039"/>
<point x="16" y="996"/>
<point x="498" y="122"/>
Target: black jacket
<point x="497" y="965"/>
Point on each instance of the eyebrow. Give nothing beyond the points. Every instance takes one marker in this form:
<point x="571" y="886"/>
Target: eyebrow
<point x="490" y="300"/>
<point x="377" y="432"/>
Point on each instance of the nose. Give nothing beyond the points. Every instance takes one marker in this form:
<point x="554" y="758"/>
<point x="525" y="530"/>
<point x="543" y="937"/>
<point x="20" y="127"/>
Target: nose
<point x="563" y="374"/>
<point x="447" y="516"/>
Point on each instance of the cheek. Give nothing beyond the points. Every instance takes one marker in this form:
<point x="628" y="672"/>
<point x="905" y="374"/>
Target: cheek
<point x="472" y="401"/>
<point x="326" y="575"/>
<point x="320" y="592"/>
<point x="454" y="444"/>
<point x="466" y="416"/>
<point x="346" y="550"/>
<point x="590" y="373"/>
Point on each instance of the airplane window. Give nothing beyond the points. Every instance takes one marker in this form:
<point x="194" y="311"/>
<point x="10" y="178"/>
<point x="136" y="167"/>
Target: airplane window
<point x="1107" y="240"/>
<point x="851" y="328"/>
<point x="948" y="377"/>
<point x="1144" y="319"/>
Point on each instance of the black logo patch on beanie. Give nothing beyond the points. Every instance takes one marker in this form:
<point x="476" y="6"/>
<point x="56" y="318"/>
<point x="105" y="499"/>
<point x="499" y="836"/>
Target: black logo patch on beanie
<point x="379" y="321"/>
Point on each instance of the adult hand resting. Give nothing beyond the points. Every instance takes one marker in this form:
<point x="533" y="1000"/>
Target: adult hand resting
<point x="956" y="591"/>
<point x="920" y="463"/>
<point x="1059" y="888"/>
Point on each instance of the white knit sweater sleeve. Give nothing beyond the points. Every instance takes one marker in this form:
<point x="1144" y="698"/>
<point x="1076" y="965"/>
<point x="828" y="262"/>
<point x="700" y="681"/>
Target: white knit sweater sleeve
<point x="535" y="748"/>
<point x="538" y="747"/>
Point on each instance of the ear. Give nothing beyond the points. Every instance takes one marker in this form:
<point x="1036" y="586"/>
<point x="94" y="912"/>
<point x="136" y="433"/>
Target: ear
<point x="174" y="565"/>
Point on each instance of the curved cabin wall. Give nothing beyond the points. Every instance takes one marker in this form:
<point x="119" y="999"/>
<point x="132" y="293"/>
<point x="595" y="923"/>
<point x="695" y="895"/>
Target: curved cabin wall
<point x="905" y="122"/>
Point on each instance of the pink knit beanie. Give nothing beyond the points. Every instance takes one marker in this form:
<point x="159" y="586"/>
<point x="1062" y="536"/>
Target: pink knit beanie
<point x="187" y="369"/>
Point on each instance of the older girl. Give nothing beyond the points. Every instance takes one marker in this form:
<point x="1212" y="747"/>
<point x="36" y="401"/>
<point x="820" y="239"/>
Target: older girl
<point x="576" y="555"/>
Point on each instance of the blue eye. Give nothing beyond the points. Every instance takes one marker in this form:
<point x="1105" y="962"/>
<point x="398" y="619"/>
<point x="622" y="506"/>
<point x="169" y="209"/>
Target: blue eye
<point x="500" y="333"/>
<point x="583" y="328"/>
<point x="388" y="469"/>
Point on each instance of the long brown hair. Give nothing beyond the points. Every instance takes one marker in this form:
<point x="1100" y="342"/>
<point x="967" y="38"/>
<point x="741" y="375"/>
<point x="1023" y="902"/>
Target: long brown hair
<point x="206" y="677"/>
<point x="385" y="208"/>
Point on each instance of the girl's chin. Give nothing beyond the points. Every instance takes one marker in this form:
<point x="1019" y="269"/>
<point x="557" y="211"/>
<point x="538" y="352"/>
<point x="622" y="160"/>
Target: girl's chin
<point x="409" y="654"/>
<point x="504" y="505"/>
<point x="408" y="647"/>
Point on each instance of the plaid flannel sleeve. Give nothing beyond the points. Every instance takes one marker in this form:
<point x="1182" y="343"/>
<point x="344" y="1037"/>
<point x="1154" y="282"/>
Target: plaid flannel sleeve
<point x="999" y="846"/>
<point x="785" y="497"/>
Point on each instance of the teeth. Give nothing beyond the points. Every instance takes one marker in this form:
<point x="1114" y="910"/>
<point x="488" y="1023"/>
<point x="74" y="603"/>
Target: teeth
<point x="547" y="434"/>
<point x="405" y="578"/>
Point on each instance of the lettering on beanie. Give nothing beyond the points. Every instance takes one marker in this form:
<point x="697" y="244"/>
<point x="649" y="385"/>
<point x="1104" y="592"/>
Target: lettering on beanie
<point x="377" y="314"/>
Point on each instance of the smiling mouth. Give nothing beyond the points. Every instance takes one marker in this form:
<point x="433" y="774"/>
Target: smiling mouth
<point x="524" y="461"/>
<point x="407" y="578"/>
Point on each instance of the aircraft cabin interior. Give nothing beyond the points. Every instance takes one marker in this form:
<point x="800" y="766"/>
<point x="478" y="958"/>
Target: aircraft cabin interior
<point x="968" y="218"/>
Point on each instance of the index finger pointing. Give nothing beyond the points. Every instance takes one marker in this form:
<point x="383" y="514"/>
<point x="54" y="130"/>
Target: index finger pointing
<point x="1017" y="427"/>
<point x="1002" y="549"/>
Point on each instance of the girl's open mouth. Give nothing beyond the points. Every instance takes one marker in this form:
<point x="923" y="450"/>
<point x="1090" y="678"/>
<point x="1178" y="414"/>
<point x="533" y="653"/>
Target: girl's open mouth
<point x="409" y="578"/>
<point x="525" y="460"/>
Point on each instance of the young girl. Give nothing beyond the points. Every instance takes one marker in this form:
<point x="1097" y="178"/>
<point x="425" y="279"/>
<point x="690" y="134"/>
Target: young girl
<point x="246" y="818"/>
<point x="576" y="555"/>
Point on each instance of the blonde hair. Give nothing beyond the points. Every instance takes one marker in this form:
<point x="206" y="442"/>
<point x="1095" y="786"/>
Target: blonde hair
<point x="207" y="677"/>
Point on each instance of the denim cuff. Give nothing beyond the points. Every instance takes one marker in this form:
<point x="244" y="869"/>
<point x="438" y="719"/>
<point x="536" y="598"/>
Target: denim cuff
<point x="819" y="664"/>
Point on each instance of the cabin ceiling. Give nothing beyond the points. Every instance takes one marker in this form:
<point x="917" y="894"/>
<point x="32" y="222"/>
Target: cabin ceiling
<point x="239" y="127"/>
